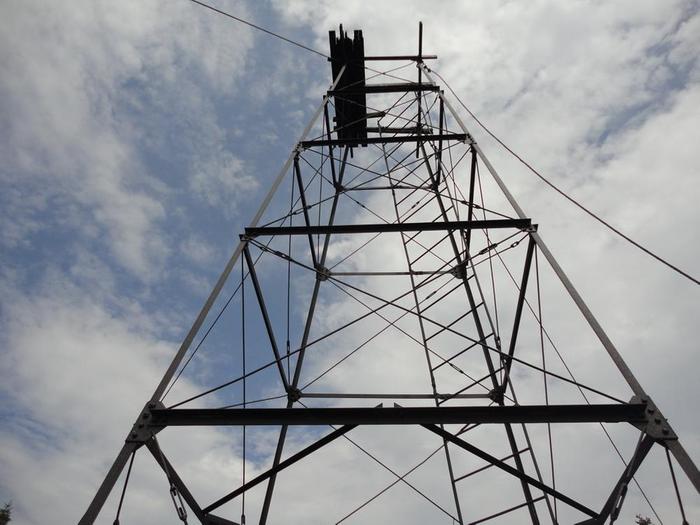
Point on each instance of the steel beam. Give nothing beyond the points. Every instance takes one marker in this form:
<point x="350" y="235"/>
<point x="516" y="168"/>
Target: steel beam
<point x="397" y="87"/>
<point x="330" y="395"/>
<point x="378" y="140"/>
<point x="472" y="184"/>
<point x="419" y="96"/>
<point x="415" y="58"/>
<point x="281" y="466"/>
<point x="389" y="130"/>
<point x="339" y="229"/>
<point x="518" y="314"/>
<point x="610" y="413"/>
<point x="614" y="502"/>
<point x="510" y="470"/>
<point x="266" y="318"/>
<point x="173" y="476"/>
<point x="305" y="208"/>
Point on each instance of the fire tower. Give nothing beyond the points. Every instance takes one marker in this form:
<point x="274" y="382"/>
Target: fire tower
<point x="391" y="281"/>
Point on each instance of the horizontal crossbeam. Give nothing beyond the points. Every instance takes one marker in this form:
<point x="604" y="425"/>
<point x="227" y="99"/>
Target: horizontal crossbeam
<point x="385" y="88"/>
<point x="409" y="129"/>
<point x="380" y="140"/>
<point x="418" y="58"/>
<point x="337" y="229"/>
<point x="608" y="413"/>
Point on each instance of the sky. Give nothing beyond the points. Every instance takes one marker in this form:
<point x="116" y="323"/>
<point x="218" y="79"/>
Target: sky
<point x="139" y="138"/>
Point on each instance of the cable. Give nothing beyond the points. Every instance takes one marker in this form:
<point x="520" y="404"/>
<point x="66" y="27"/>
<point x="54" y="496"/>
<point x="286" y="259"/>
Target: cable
<point x="126" y="482"/>
<point x="544" y="378"/>
<point x="561" y="192"/>
<point x="675" y="486"/>
<point x="229" y="15"/>
<point x="288" y="40"/>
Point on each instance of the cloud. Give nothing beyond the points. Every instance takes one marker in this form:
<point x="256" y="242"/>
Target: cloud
<point x="75" y="374"/>
<point x="73" y="99"/>
<point x="221" y="182"/>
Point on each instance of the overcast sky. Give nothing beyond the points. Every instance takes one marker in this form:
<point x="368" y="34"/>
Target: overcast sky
<point x="138" y="138"/>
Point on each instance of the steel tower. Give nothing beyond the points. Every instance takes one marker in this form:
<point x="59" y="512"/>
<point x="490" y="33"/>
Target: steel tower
<point x="390" y="279"/>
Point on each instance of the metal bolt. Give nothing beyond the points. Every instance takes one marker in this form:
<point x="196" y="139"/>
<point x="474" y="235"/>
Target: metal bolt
<point x="657" y="420"/>
<point x="665" y="431"/>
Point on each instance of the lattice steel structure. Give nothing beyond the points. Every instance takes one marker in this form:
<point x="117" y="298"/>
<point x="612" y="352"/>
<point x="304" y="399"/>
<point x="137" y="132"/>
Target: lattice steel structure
<point x="391" y="246"/>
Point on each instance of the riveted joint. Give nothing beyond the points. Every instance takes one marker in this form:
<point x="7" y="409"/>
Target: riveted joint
<point x="655" y="424"/>
<point x="322" y="273"/>
<point x="497" y="395"/>
<point x="143" y="430"/>
<point x="459" y="271"/>
<point x="294" y="394"/>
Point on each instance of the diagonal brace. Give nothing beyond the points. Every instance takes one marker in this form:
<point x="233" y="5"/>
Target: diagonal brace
<point x="518" y="315"/>
<point x="266" y="318"/>
<point x="170" y="472"/>
<point x="281" y="466"/>
<point x="510" y="470"/>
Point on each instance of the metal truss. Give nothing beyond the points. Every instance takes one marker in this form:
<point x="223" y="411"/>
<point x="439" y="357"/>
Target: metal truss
<point x="396" y="182"/>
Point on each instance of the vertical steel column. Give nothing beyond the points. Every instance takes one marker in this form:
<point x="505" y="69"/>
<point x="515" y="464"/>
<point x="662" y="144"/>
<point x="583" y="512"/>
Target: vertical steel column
<point x="419" y="95"/>
<point x="438" y="155"/>
<point x="470" y="208"/>
<point x="302" y="349"/>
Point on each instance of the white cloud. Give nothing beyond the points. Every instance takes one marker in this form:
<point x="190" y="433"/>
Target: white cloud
<point x="198" y="250"/>
<point x="222" y="181"/>
<point x="70" y="142"/>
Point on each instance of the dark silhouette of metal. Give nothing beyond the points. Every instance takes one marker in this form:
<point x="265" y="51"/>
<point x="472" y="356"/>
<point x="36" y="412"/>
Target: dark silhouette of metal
<point x="408" y="160"/>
